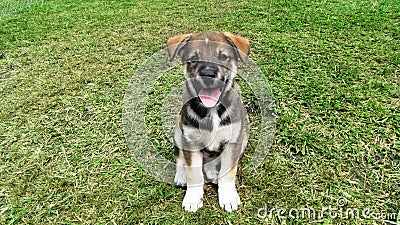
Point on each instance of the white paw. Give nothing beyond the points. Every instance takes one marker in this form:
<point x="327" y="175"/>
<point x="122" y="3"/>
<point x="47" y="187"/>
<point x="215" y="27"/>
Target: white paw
<point x="180" y="177"/>
<point x="228" y="197"/>
<point x="193" y="199"/>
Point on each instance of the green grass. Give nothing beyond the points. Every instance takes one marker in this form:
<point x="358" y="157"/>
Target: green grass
<point x="333" y="67"/>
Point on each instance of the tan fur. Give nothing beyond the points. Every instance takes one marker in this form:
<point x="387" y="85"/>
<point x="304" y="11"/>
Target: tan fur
<point x="174" y="44"/>
<point x="242" y="44"/>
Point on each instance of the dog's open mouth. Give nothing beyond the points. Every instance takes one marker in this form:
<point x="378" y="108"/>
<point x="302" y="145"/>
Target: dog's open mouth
<point x="209" y="96"/>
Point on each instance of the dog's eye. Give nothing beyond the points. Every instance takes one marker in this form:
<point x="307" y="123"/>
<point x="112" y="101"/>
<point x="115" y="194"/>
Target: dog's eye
<point x="222" y="57"/>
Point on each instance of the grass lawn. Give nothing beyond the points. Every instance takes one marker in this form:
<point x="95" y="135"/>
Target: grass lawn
<point x="334" y="70"/>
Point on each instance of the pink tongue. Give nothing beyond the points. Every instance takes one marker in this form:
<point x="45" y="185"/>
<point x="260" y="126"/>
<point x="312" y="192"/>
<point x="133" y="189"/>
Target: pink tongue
<point x="209" y="97"/>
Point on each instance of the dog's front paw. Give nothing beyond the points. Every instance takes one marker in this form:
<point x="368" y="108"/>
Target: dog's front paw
<point x="193" y="199"/>
<point x="228" y="197"/>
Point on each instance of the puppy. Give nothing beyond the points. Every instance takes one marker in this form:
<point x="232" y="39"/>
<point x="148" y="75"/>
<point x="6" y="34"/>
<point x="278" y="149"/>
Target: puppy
<point x="211" y="133"/>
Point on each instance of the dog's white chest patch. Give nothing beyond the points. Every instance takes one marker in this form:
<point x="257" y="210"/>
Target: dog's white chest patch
<point x="212" y="139"/>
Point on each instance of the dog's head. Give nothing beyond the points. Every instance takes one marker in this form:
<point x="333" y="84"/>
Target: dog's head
<point x="210" y="61"/>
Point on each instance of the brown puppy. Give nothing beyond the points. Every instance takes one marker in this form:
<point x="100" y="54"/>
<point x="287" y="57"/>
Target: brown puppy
<point x="211" y="133"/>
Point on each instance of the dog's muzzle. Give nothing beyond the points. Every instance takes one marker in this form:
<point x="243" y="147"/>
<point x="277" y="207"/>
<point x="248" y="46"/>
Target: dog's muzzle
<point x="210" y="93"/>
<point x="208" y="74"/>
<point x="209" y="71"/>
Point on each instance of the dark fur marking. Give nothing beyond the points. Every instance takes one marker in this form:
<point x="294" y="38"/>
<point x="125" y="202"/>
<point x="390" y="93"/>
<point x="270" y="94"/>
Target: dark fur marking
<point x="198" y="107"/>
<point x="216" y="153"/>
<point x="208" y="153"/>
<point x="222" y="146"/>
<point x="188" y="157"/>
<point x="221" y="109"/>
<point x="225" y="121"/>
<point x="201" y="111"/>
<point x="189" y="121"/>
<point x="176" y="152"/>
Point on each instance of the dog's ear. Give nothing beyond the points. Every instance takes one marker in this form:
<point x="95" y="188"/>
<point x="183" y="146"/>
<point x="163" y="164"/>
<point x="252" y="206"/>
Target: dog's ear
<point x="241" y="44"/>
<point x="176" y="43"/>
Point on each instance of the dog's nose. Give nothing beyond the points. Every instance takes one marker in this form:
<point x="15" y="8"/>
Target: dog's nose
<point x="209" y="72"/>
